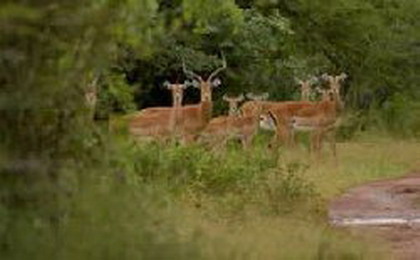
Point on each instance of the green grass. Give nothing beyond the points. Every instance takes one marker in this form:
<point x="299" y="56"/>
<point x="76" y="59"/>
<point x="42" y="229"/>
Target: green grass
<point x="148" y="201"/>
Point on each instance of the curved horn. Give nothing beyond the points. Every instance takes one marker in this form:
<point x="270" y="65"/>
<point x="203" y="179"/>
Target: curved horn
<point x="218" y="70"/>
<point x="343" y="75"/>
<point x="166" y="84"/>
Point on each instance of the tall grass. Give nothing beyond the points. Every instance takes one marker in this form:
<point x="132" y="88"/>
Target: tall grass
<point x="148" y="201"/>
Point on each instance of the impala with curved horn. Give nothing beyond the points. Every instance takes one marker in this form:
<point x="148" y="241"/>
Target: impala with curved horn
<point x="185" y="121"/>
<point x="194" y="118"/>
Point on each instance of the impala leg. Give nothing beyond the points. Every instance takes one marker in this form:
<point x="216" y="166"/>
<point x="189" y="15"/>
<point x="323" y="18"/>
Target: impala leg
<point x="283" y="134"/>
<point x="246" y="141"/>
<point x="315" y="143"/>
<point x="292" y="138"/>
<point x="333" y="143"/>
<point x="274" y="140"/>
<point x="221" y="144"/>
<point x="187" y="139"/>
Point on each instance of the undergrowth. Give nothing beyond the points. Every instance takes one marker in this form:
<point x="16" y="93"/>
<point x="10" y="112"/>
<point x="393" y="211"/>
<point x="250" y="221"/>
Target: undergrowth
<point x="148" y="201"/>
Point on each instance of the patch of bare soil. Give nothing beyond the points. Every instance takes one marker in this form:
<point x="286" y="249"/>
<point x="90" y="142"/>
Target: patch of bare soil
<point x="389" y="209"/>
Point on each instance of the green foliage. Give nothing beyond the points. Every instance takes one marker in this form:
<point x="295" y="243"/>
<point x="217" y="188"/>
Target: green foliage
<point x="401" y="115"/>
<point x="69" y="190"/>
<point x="208" y="19"/>
<point x="115" y="95"/>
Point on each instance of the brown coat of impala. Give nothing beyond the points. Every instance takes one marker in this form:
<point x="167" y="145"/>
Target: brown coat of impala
<point x="218" y="130"/>
<point x="158" y="122"/>
<point x="235" y="125"/>
<point x="317" y="117"/>
<point x="323" y="117"/>
<point x="181" y="121"/>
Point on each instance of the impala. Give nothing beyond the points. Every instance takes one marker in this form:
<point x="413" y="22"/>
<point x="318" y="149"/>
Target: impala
<point x="147" y="122"/>
<point x="177" y="92"/>
<point x="305" y="88"/>
<point x="91" y="97"/>
<point x="255" y="104"/>
<point x="233" y="104"/>
<point x="318" y="118"/>
<point x="282" y="109"/>
<point x="184" y="121"/>
<point x="224" y="128"/>
<point x="217" y="129"/>
<point x="193" y="118"/>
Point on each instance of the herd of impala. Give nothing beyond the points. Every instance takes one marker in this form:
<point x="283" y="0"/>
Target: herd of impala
<point x="189" y="123"/>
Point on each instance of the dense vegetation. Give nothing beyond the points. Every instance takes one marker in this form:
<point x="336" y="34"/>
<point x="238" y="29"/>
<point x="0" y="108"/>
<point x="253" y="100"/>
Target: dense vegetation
<point x="70" y="188"/>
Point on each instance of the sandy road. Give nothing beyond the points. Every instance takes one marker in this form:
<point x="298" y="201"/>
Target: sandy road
<point x="387" y="208"/>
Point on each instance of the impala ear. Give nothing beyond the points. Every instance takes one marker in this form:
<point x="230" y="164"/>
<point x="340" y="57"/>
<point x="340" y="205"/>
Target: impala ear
<point x="167" y="85"/>
<point x="216" y="82"/>
<point x="225" y="98"/>
<point x="342" y="76"/>
<point x="192" y="83"/>
<point x="241" y="98"/>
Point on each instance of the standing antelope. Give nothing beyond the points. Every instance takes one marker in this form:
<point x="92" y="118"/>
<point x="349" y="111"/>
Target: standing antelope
<point x="193" y="118"/>
<point x="91" y="97"/>
<point x="284" y="109"/>
<point x="233" y="104"/>
<point x="184" y="121"/>
<point x="148" y="122"/>
<point x="216" y="130"/>
<point x="244" y="127"/>
<point x="322" y="118"/>
<point x="319" y="118"/>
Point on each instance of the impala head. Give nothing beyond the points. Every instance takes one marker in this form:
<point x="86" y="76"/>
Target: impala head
<point x="207" y="85"/>
<point x="326" y="94"/>
<point x="91" y="93"/>
<point x="335" y="81"/>
<point x="267" y="121"/>
<point x="233" y="104"/>
<point x="335" y="88"/>
<point x="177" y="92"/>
<point x="305" y="86"/>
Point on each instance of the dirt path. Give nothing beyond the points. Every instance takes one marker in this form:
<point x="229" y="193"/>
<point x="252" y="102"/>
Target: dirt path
<point x="389" y="209"/>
